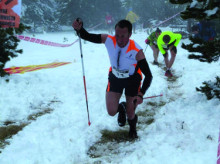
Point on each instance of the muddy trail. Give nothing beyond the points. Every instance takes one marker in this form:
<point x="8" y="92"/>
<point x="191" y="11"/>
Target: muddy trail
<point x="108" y="148"/>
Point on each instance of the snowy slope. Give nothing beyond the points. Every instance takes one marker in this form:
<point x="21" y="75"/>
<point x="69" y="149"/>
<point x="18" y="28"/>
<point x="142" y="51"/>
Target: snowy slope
<point x="180" y="127"/>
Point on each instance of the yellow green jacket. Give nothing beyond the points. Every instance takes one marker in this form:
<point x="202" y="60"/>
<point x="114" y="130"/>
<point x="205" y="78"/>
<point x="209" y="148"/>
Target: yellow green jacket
<point x="132" y="17"/>
<point x="173" y="38"/>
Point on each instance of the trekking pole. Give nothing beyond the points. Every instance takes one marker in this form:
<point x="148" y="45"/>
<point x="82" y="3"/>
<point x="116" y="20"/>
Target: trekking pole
<point x="146" y="48"/>
<point x="153" y="96"/>
<point x="148" y="97"/>
<point x="84" y="78"/>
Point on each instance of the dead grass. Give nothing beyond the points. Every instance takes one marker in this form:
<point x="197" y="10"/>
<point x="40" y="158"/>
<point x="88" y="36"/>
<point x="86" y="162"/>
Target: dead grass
<point x="36" y="115"/>
<point x="109" y="144"/>
<point x="7" y="132"/>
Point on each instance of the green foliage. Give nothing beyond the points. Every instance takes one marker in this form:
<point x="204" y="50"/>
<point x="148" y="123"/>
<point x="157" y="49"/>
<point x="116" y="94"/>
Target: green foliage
<point x="198" y="9"/>
<point x="40" y="14"/>
<point x="209" y="50"/>
<point x="8" y="45"/>
<point x="179" y="1"/>
<point x="211" y="89"/>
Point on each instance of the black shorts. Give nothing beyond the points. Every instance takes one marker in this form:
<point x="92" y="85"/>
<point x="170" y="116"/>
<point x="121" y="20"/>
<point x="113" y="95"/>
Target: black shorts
<point x="131" y="85"/>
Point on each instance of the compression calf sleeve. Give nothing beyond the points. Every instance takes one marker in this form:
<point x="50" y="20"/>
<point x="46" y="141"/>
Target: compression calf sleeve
<point x="143" y="65"/>
<point x="95" y="38"/>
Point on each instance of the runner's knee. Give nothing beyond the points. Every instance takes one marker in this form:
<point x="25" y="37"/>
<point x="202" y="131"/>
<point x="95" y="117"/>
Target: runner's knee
<point x="111" y="111"/>
<point x="112" y="108"/>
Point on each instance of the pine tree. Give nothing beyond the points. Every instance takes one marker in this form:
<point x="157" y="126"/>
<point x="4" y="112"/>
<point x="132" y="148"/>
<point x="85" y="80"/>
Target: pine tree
<point x="91" y="13"/>
<point x="211" y="89"/>
<point x="40" y="14"/>
<point x="204" y="10"/>
<point x="8" y="45"/>
<point x="209" y="50"/>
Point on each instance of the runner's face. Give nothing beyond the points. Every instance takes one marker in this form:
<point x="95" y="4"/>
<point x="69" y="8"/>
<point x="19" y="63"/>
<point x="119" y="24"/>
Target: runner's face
<point x="122" y="36"/>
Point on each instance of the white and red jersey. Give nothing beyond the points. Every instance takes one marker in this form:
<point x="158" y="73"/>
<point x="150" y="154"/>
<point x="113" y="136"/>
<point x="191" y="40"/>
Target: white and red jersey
<point x="122" y="59"/>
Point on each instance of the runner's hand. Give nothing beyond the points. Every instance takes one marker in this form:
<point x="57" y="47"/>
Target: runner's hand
<point x="138" y="99"/>
<point x="77" y="24"/>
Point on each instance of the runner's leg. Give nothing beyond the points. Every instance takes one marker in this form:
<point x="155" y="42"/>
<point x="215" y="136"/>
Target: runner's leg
<point x="172" y="59"/>
<point x="166" y="60"/>
<point x="155" y="52"/>
<point x="112" y="102"/>
<point x="130" y="107"/>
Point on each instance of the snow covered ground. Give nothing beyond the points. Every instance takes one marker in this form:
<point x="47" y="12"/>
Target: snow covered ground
<point x="181" y="127"/>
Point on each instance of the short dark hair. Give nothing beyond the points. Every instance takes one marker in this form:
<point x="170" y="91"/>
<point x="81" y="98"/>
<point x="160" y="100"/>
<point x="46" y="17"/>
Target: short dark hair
<point x="158" y="30"/>
<point x="124" y="23"/>
<point x="166" y="38"/>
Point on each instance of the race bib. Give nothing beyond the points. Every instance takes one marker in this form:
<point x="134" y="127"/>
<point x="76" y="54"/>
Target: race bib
<point x="120" y="74"/>
<point x="109" y="21"/>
